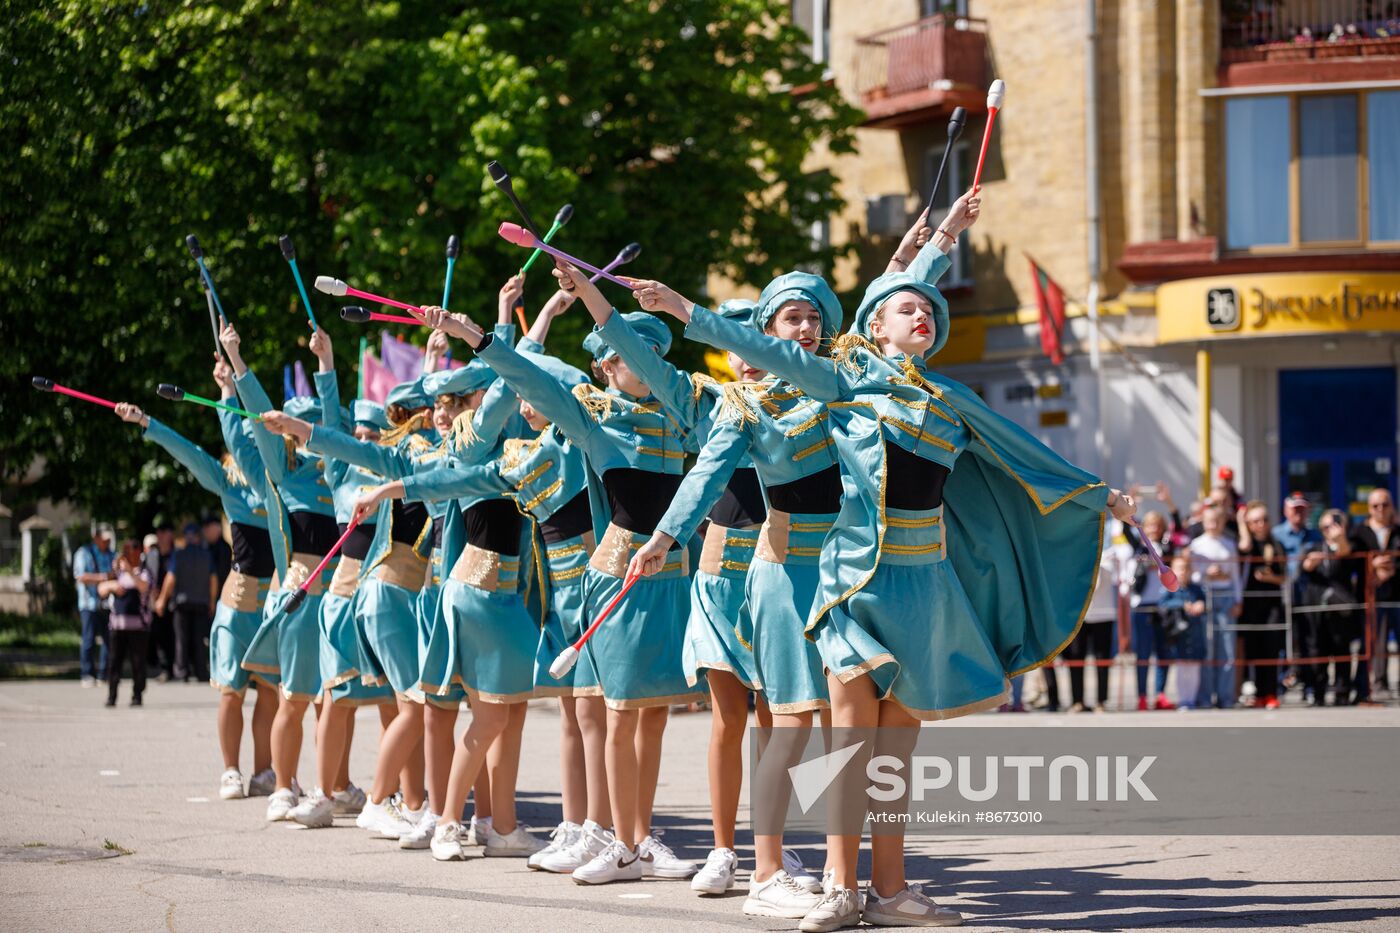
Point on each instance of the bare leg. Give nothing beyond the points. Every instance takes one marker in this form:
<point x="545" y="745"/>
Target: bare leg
<point x="592" y="714"/>
<point x="573" y="781"/>
<point x="403" y="735"/>
<point x="853" y="706"/>
<point x="503" y="760"/>
<point x="726" y="758"/>
<point x="898" y="733"/>
<point x="439" y="722"/>
<point x="488" y="721"/>
<point x="342" y="778"/>
<point x="651" y="729"/>
<point x="387" y="712"/>
<point x="412" y="777"/>
<point x="622" y="774"/>
<point x="330" y="742"/>
<point x="264" y="714"/>
<point x="286" y="740"/>
<point x="230" y="726"/>
<point x="788" y="737"/>
<point x="481" y="794"/>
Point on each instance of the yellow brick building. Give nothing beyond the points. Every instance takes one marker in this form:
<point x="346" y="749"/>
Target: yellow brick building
<point x="1215" y="187"/>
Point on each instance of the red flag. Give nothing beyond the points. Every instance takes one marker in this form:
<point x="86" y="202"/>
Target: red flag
<point x="378" y="378"/>
<point x="1051" y="300"/>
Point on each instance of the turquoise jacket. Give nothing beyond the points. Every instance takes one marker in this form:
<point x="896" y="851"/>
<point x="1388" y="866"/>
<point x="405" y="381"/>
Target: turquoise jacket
<point x="293" y="484"/>
<point x="471" y="441"/>
<point x="240" y="502"/>
<point x="344" y="479"/>
<point x="1024" y="526"/>
<point x="768" y="425"/>
<point x="612" y="429"/>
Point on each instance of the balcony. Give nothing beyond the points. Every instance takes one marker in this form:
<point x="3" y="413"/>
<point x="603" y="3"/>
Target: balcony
<point x="1309" y="41"/>
<point x="920" y="71"/>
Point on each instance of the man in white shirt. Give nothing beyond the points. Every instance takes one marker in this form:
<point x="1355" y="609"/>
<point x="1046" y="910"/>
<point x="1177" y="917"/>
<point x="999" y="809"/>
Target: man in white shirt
<point x="1215" y="565"/>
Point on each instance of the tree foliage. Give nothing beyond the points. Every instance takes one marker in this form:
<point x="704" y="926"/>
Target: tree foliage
<point x="363" y="131"/>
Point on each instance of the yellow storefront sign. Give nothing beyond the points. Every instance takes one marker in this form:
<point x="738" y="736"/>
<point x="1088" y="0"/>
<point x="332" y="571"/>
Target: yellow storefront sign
<point x="1277" y="304"/>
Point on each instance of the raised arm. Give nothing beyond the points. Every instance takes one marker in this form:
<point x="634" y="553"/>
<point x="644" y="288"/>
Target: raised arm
<point x="547" y="394"/>
<point x="539" y="330"/>
<point x="702" y="487"/>
<point x="239" y="442"/>
<point x="671" y="386"/>
<point x="274" y="458"/>
<point x="488" y="421"/>
<point x="327" y="389"/>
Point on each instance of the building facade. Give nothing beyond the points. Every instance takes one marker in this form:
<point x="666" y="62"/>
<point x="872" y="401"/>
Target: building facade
<point x="1214" y="186"/>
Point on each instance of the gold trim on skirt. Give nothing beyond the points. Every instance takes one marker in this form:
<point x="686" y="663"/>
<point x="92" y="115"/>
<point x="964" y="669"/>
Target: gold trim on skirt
<point x="402" y="567"/>
<point x="615" y="552"/>
<point x="712" y="559"/>
<point x="345" y="579"/>
<point x="482" y="569"/>
<point x="241" y="592"/>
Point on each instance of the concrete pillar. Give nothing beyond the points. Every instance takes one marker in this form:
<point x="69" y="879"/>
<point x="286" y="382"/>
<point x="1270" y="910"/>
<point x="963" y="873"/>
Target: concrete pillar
<point x="1150" y="158"/>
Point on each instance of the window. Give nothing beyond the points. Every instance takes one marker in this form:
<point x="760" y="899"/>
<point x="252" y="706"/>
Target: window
<point x="1312" y="170"/>
<point x="814" y="18"/>
<point x="1383" y="159"/>
<point x="956" y="179"/>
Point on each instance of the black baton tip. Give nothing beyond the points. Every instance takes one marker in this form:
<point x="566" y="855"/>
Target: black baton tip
<point x="42" y="384"/>
<point x="192" y="243"/>
<point x="289" y="252"/>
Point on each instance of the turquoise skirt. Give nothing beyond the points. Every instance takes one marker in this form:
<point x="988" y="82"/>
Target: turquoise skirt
<point x="781" y="586"/>
<point x="389" y="638"/>
<point x="563" y="622"/>
<point x="718" y="614"/>
<point x="487" y="648"/>
<point x="230" y="634"/>
<point x="295" y="639"/>
<point x="913" y="630"/>
<point x="636" y="653"/>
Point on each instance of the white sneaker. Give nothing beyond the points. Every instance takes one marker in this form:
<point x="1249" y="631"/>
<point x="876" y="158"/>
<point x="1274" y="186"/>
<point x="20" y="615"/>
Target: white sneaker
<point x="280" y="804"/>
<point x="615" y="863"/>
<point x="592" y="840"/>
<point x="658" y="860"/>
<point x="828" y="879"/>
<point x="447" y="842"/>
<point x="718" y="874"/>
<point x="88" y="681"/>
<point x="348" y="802"/>
<point x="231" y="785"/>
<point x="780" y="896"/>
<point x="838" y="908"/>
<point x="477" y="830"/>
<point x="315" y="812"/>
<point x="263" y="783"/>
<point x="564" y="835"/>
<point x="422" y="835"/>
<point x="792" y="864"/>
<point x="909" y="908"/>
<point x="385" y="820"/>
<point x="518" y="843"/>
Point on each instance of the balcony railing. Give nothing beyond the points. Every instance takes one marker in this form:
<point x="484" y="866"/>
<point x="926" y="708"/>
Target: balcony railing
<point x="919" y="70"/>
<point x="1367" y="27"/>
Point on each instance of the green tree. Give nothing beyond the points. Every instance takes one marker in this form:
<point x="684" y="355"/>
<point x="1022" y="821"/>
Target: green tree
<point x="363" y="131"/>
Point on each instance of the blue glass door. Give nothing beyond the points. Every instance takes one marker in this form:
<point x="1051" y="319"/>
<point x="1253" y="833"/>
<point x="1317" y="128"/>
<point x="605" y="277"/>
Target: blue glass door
<point x="1337" y="435"/>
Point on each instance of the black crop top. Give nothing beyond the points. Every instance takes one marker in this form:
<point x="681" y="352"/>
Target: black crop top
<point x="911" y="482"/>
<point x="570" y="520"/>
<point x="818" y="494"/>
<point x="741" y="504"/>
<point x="252" y="551"/>
<point x="409" y="519"/>
<point x="313" y="533"/>
<point x="639" y="498"/>
<point x="494" y="525"/>
<point x="356" y="547"/>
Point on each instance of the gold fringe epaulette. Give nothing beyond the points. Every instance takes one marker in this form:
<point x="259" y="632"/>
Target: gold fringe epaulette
<point x="738" y="403"/>
<point x="232" y="473"/>
<point x="598" y="403"/>
<point x="516" y="449"/>
<point x="843" y="349"/>
<point x="463" y="431"/>
<point x="700" y="383"/>
<point x="420" y="421"/>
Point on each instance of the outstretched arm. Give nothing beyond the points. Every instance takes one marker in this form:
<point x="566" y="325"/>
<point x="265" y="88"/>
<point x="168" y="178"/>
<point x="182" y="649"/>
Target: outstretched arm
<point x="557" y="305"/>
<point x="548" y="396"/>
<point x="239" y="442"/>
<point x="205" y="469"/>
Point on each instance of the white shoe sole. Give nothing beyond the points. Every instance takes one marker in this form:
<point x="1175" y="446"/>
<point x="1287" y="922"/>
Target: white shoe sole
<point x="757" y="908"/>
<point x="231" y="793"/>
<point x="719" y="887"/>
<point x="826" y="926"/>
<point x="458" y="857"/>
<point x="413" y="845"/>
<point x="904" y="920"/>
<point x="277" y="818"/>
<point x="312" y="822"/>
<point x="508" y="853"/>
<point x="671" y="874"/>
<point x="589" y="881"/>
